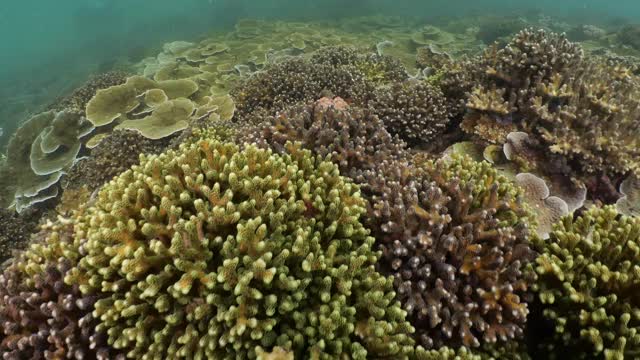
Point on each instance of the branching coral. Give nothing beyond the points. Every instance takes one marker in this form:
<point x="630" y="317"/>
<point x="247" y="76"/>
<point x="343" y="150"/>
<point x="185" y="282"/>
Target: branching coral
<point x="456" y="238"/>
<point x="588" y="284"/>
<point x="467" y="225"/>
<point x="340" y="71"/>
<point x="213" y="252"/>
<point x="355" y="138"/>
<point x="580" y="110"/>
<point x="40" y="316"/>
<point x="414" y="110"/>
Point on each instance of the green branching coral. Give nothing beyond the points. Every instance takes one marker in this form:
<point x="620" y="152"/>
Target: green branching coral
<point x="589" y="271"/>
<point x="213" y="252"/>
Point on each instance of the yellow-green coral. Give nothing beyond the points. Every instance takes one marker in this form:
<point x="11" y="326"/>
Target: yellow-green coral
<point x="589" y="271"/>
<point x="213" y="252"/>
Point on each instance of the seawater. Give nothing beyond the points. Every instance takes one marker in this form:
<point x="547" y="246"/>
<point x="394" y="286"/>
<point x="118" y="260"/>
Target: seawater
<point x="49" y="47"/>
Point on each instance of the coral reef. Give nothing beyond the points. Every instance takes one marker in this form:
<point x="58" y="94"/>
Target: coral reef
<point x="78" y="99"/>
<point x="216" y="252"/>
<point x="582" y="112"/>
<point x="587" y="284"/>
<point x="339" y="71"/>
<point x="16" y="230"/>
<point x="456" y="238"/>
<point x="40" y="316"/>
<point x="362" y="188"/>
<point x="112" y="156"/>
<point x="416" y="111"/>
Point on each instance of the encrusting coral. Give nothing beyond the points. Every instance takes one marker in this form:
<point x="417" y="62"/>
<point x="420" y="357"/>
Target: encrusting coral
<point x="588" y="275"/>
<point x="217" y="252"/>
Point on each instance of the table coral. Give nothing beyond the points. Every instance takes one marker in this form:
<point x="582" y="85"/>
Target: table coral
<point x="215" y="252"/>
<point x="78" y="99"/>
<point x="588" y="285"/>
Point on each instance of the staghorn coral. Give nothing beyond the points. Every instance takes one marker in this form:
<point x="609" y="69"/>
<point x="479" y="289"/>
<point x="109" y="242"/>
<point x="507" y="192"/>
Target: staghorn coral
<point x="112" y="156"/>
<point x="456" y="237"/>
<point x="588" y="285"/>
<point x="416" y="111"/>
<point x="341" y="71"/>
<point x="213" y="252"/>
<point x="40" y="316"/>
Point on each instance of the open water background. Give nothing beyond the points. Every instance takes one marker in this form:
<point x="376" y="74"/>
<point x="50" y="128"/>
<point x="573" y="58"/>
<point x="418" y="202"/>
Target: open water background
<point x="49" y="47"/>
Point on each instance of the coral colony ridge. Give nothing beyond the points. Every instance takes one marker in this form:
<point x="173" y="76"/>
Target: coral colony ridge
<point x="296" y="191"/>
